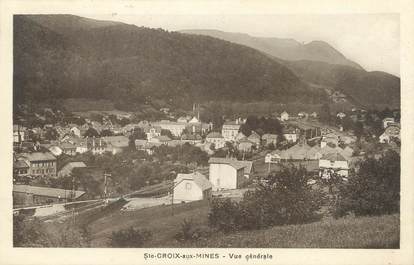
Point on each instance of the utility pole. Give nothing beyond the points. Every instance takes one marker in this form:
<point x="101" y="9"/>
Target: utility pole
<point x="172" y="199"/>
<point x="106" y="175"/>
<point x="173" y="185"/>
<point x="73" y="188"/>
<point x="268" y="168"/>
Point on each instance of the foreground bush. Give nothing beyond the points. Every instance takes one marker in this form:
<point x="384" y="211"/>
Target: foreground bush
<point x="190" y="231"/>
<point x="34" y="233"/>
<point x="373" y="190"/>
<point x="284" y="198"/>
<point x="130" y="237"/>
<point x="224" y="215"/>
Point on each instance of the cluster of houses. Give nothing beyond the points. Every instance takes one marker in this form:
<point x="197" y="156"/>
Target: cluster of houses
<point x="332" y="154"/>
<point x="328" y="155"/>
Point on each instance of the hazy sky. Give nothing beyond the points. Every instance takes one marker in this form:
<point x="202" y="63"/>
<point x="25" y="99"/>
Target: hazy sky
<point x="372" y="40"/>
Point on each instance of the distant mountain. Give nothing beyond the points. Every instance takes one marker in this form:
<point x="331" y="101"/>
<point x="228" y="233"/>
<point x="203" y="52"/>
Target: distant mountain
<point x="318" y="63"/>
<point x="287" y="49"/>
<point x="65" y="56"/>
<point x="368" y="89"/>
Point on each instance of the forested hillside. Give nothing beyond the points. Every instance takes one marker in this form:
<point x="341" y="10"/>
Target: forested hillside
<point x="369" y="89"/>
<point x="63" y="56"/>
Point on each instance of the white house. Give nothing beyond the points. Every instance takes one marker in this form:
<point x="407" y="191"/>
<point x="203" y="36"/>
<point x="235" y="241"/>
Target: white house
<point x="228" y="173"/>
<point x="341" y="115"/>
<point x="75" y="131"/>
<point x="272" y="157"/>
<point x="329" y="138"/>
<point x="387" y="121"/>
<point x="191" y="187"/>
<point x="152" y="131"/>
<point x="254" y="138"/>
<point x="19" y="134"/>
<point x="333" y="163"/>
<point x="268" y="138"/>
<point x="245" y="145"/>
<point x="230" y="130"/>
<point x="184" y="119"/>
<point x="162" y="139"/>
<point x="390" y="133"/>
<point x="217" y="139"/>
<point x="176" y="128"/>
<point x="240" y="136"/>
<point x="55" y="150"/>
<point x="314" y="115"/>
<point x="194" y="120"/>
<point x="291" y="135"/>
<point x="284" y="116"/>
<point x="303" y="115"/>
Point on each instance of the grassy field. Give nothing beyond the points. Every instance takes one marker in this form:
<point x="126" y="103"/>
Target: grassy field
<point x="364" y="232"/>
<point x="158" y="219"/>
<point x="350" y="232"/>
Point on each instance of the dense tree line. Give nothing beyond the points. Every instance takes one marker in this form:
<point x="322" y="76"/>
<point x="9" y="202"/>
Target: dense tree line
<point x="261" y="125"/>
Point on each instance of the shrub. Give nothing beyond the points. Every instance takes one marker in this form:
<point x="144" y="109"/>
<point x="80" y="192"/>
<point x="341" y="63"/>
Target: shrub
<point x="373" y="190"/>
<point x="224" y="215"/>
<point x="130" y="237"/>
<point x="283" y="198"/>
<point x="189" y="231"/>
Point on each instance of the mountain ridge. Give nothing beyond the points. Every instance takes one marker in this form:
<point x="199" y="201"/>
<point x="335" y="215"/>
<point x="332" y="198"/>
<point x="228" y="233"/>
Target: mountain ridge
<point x="287" y="49"/>
<point x="363" y="88"/>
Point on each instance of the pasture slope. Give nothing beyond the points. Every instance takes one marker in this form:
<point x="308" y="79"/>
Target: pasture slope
<point x="350" y="232"/>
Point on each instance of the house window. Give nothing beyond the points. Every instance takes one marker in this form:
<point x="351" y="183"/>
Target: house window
<point x="188" y="186"/>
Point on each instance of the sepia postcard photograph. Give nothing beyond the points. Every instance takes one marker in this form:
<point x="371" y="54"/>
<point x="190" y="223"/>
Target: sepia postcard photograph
<point x="186" y="131"/>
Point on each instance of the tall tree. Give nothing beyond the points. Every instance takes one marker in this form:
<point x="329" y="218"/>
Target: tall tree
<point x="374" y="189"/>
<point x="325" y="113"/>
<point x="91" y="132"/>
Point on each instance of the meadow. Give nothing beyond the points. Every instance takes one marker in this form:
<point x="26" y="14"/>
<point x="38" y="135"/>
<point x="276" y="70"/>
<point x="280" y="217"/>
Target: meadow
<point x="164" y="223"/>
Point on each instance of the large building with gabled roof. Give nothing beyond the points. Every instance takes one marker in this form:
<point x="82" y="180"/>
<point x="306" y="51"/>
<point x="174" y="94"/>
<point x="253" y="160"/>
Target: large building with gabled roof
<point x="41" y="164"/>
<point x="228" y="173"/>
